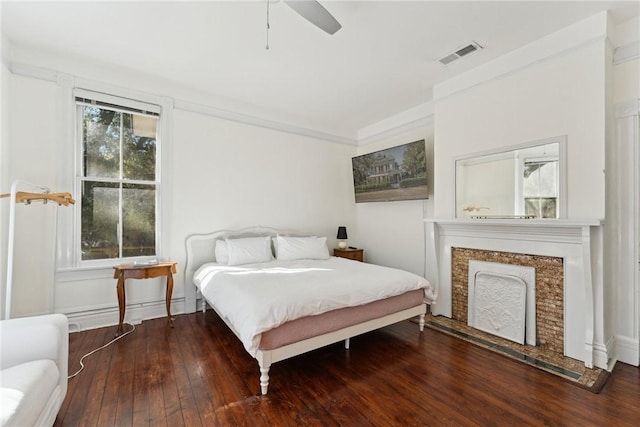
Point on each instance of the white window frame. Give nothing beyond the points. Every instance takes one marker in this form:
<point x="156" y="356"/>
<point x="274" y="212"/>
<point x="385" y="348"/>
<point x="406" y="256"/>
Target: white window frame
<point x="115" y="102"/>
<point x="69" y="265"/>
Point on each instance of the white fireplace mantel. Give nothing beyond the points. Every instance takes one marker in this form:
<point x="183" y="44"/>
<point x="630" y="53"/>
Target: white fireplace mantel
<point x="578" y="242"/>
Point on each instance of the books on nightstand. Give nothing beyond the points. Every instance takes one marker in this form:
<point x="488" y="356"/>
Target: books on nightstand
<point x="145" y="263"/>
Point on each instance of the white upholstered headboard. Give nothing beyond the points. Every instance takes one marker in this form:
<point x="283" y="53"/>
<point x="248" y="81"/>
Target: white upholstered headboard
<point x="200" y="249"/>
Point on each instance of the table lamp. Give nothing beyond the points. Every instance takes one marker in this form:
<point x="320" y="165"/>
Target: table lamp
<point x="342" y="237"/>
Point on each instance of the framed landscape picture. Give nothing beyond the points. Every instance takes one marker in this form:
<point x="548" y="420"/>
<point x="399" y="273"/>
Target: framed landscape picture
<point x="397" y="173"/>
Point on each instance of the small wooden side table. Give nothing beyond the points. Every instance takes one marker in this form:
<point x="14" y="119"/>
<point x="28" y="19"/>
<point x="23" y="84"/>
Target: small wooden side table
<point x="123" y="272"/>
<point x="354" y="254"/>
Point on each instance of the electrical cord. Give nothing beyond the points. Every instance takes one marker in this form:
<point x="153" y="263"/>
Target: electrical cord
<point x="133" y="328"/>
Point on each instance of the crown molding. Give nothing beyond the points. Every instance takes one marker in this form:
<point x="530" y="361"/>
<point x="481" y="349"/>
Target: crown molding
<point x="260" y="122"/>
<point x="397" y="130"/>
<point x="418" y="117"/>
<point x="67" y="80"/>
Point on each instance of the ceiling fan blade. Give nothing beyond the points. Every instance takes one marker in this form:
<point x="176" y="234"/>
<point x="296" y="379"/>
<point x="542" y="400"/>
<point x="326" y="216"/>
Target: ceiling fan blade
<point x="315" y="13"/>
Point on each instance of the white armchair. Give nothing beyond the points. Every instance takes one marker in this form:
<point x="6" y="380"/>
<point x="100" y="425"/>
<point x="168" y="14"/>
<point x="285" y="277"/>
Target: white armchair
<point x="34" y="357"/>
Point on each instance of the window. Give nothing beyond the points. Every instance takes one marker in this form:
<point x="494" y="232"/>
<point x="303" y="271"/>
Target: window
<point x="541" y="188"/>
<point x="118" y="178"/>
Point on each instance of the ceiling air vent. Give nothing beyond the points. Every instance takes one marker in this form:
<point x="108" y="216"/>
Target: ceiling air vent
<point x="459" y="53"/>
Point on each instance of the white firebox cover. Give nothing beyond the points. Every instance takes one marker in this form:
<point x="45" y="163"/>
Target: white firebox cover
<point x="502" y="300"/>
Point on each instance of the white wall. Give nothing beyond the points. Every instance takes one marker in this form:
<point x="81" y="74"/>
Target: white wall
<point x="392" y="233"/>
<point x="236" y="175"/>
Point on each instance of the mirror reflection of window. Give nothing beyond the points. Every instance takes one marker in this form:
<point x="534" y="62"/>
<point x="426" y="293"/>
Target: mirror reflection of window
<point x="519" y="181"/>
<point x="540" y="188"/>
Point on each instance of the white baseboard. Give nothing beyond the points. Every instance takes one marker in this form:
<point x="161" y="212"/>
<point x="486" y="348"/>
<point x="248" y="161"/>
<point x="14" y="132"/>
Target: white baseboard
<point x="628" y="350"/>
<point x="135" y="314"/>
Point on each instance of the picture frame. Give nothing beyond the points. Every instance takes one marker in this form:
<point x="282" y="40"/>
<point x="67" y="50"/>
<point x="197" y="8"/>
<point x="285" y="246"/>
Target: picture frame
<point x="393" y="174"/>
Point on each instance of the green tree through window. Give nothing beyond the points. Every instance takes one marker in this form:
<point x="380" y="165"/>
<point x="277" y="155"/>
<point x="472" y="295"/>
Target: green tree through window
<point x="118" y="181"/>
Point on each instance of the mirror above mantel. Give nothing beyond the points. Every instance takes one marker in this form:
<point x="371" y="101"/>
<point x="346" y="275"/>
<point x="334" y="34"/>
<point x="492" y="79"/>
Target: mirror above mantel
<point x="520" y="181"/>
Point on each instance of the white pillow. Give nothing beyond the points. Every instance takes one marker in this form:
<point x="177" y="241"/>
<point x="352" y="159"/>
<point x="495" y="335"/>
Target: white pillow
<point x="274" y="241"/>
<point x="249" y="250"/>
<point x="221" y="252"/>
<point x="293" y="248"/>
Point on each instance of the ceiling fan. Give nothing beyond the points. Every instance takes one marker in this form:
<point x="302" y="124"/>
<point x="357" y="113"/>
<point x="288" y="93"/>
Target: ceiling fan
<point x="315" y="13"/>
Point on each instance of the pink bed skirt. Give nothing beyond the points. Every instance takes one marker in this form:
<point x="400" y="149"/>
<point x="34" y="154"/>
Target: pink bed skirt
<point x="310" y="326"/>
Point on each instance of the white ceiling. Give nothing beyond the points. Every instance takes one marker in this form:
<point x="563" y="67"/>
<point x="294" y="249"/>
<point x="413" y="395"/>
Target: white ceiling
<point x="380" y="63"/>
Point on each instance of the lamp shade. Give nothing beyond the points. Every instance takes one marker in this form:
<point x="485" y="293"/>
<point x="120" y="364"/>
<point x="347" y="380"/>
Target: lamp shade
<point x="342" y="233"/>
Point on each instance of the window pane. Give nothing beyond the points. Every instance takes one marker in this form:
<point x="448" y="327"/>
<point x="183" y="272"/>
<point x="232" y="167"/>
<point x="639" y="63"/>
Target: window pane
<point x="99" y="237"/>
<point x="139" y="147"/>
<point x="541" y="207"/>
<point x="101" y="137"/>
<point x="138" y="220"/>
<point x="540" y="179"/>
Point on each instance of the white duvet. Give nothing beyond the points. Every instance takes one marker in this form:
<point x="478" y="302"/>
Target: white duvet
<point x="257" y="297"/>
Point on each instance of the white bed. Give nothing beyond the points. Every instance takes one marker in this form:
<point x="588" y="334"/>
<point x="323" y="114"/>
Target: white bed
<point x="285" y="307"/>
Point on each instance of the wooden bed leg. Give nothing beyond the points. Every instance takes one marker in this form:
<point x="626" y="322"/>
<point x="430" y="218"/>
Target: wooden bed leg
<point x="421" y="322"/>
<point x="264" y="378"/>
<point x="347" y="342"/>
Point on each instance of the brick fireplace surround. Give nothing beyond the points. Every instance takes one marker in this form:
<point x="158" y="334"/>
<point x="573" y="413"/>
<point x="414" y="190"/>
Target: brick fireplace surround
<point x="549" y="290"/>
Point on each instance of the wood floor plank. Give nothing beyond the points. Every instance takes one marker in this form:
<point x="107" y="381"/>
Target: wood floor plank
<point x="214" y="368"/>
<point x="118" y="384"/>
<point x="186" y="396"/>
<point x="198" y="373"/>
<point x="168" y="382"/>
<point x="141" y="382"/>
<point x="229" y="383"/>
<point x="77" y="344"/>
<point x="125" y="359"/>
<point x="191" y="359"/>
<point x="154" y="376"/>
<point x="84" y="405"/>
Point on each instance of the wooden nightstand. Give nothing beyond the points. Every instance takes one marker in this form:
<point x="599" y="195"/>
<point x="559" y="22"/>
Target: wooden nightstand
<point x="354" y="254"/>
<point x="130" y="271"/>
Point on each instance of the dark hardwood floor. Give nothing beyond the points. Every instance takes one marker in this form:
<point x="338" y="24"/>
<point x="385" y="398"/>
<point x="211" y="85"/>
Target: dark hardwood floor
<point x="198" y="374"/>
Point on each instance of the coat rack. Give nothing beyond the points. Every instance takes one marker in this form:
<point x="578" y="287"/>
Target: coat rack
<point x="39" y="194"/>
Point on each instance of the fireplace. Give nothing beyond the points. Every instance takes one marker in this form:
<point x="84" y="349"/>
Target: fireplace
<point x="566" y="256"/>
